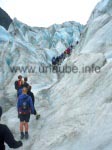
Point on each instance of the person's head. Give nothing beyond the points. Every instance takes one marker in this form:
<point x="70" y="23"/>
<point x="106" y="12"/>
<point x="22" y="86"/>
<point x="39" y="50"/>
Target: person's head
<point x="77" y="42"/>
<point x="65" y="52"/>
<point x="20" y="77"/>
<point x="0" y="112"/>
<point x="24" y="90"/>
<point x="25" y="79"/>
<point x="71" y="46"/>
<point x="29" y="88"/>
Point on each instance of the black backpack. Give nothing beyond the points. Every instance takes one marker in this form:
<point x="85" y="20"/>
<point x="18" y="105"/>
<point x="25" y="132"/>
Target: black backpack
<point x="16" y="85"/>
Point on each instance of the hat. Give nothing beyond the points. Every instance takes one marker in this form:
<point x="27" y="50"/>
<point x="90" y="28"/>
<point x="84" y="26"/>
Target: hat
<point x="0" y="111"/>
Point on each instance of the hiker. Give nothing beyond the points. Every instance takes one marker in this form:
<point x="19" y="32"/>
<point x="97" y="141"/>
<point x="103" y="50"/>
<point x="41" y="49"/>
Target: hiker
<point x="30" y="93"/>
<point x="65" y="53"/>
<point x="25" y="82"/>
<point x="60" y="60"/>
<point x="19" y="85"/>
<point x="62" y="56"/>
<point x="68" y="51"/>
<point x="57" y="60"/>
<point x="71" y="48"/>
<point x="7" y="137"/>
<point x="54" y="61"/>
<point x="25" y="108"/>
<point x="77" y="42"/>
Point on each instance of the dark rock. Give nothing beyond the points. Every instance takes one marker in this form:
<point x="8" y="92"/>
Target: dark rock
<point x="5" y="19"/>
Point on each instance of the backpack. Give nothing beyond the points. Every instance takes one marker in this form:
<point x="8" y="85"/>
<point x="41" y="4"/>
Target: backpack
<point x="25" y="107"/>
<point x="17" y="84"/>
<point x="26" y="85"/>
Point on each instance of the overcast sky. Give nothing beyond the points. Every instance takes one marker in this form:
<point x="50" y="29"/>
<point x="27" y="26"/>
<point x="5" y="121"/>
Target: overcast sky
<point x="46" y="12"/>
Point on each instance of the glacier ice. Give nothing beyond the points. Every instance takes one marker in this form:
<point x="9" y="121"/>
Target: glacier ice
<point x="75" y="108"/>
<point x="4" y="35"/>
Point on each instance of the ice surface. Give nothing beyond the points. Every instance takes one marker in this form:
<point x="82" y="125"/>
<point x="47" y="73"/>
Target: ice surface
<point x="75" y="108"/>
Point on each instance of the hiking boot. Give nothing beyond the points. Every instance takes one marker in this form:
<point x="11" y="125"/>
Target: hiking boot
<point x="22" y="135"/>
<point x="26" y="135"/>
<point x="37" y="117"/>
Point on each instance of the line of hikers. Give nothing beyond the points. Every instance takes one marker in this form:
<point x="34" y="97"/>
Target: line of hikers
<point x="25" y="105"/>
<point x="59" y="59"/>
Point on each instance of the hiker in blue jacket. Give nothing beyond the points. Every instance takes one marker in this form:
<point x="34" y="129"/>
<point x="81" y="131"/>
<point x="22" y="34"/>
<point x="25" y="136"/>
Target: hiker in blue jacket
<point x="25" y="109"/>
